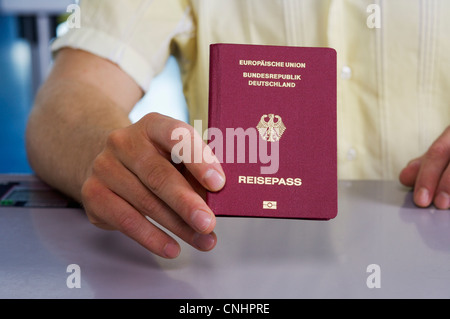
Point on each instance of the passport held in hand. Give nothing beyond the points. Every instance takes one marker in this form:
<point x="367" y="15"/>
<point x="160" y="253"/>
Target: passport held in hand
<point x="272" y="125"/>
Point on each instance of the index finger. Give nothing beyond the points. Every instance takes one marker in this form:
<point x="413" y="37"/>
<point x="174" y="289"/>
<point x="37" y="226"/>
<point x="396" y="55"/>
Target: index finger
<point x="186" y="145"/>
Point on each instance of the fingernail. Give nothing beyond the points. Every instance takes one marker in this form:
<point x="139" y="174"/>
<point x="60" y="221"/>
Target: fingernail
<point x="171" y="250"/>
<point x="214" y="180"/>
<point x="204" y="242"/>
<point x="201" y="220"/>
<point x="442" y="200"/>
<point x="423" y="197"/>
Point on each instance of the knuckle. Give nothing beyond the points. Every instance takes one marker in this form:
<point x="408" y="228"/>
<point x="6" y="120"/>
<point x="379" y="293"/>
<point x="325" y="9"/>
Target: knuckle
<point x="180" y="131"/>
<point x="143" y="161"/>
<point x="437" y="151"/>
<point x="157" y="176"/>
<point x="101" y="164"/>
<point x="127" y="224"/>
<point x="90" y="190"/>
<point x="150" y="205"/>
<point x="133" y="228"/>
<point x="152" y="116"/>
<point x="117" y="139"/>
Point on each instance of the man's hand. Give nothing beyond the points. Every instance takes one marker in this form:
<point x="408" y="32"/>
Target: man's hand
<point x="81" y="141"/>
<point x="133" y="178"/>
<point x="430" y="174"/>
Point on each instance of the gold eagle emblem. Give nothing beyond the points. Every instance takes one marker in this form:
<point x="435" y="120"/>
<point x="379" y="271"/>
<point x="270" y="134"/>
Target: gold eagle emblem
<point x="271" y="130"/>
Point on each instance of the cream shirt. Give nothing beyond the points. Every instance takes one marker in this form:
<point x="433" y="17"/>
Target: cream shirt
<point x="393" y="81"/>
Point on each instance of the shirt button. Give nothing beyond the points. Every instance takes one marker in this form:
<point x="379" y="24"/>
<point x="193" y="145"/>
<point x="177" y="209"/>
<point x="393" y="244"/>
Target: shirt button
<point x="346" y="72"/>
<point x="351" y="154"/>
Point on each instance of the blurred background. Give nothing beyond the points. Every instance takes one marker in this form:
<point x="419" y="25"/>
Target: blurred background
<point x="27" y="28"/>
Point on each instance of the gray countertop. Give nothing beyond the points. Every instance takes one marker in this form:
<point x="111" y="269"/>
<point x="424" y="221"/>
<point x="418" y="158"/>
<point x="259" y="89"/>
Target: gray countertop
<point x="379" y="246"/>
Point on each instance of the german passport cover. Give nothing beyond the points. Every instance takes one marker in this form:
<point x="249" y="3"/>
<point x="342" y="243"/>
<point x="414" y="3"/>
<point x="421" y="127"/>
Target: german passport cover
<point x="272" y="125"/>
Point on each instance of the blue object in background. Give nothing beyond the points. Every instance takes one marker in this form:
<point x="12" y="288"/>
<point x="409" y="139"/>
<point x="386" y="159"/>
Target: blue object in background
<point x="17" y="89"/>
<point x="16" y="96"/>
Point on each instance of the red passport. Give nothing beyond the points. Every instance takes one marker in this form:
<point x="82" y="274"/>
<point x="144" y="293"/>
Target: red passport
<point x="272" y="125"/>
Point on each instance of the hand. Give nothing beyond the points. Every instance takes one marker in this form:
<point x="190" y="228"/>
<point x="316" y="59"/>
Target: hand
<point x="133" y="178"/>
<point x="430" y="174"/>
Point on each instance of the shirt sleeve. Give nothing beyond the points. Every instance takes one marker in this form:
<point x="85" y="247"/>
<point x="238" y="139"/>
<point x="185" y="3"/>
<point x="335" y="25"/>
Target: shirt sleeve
<point x="134" y="34"/>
